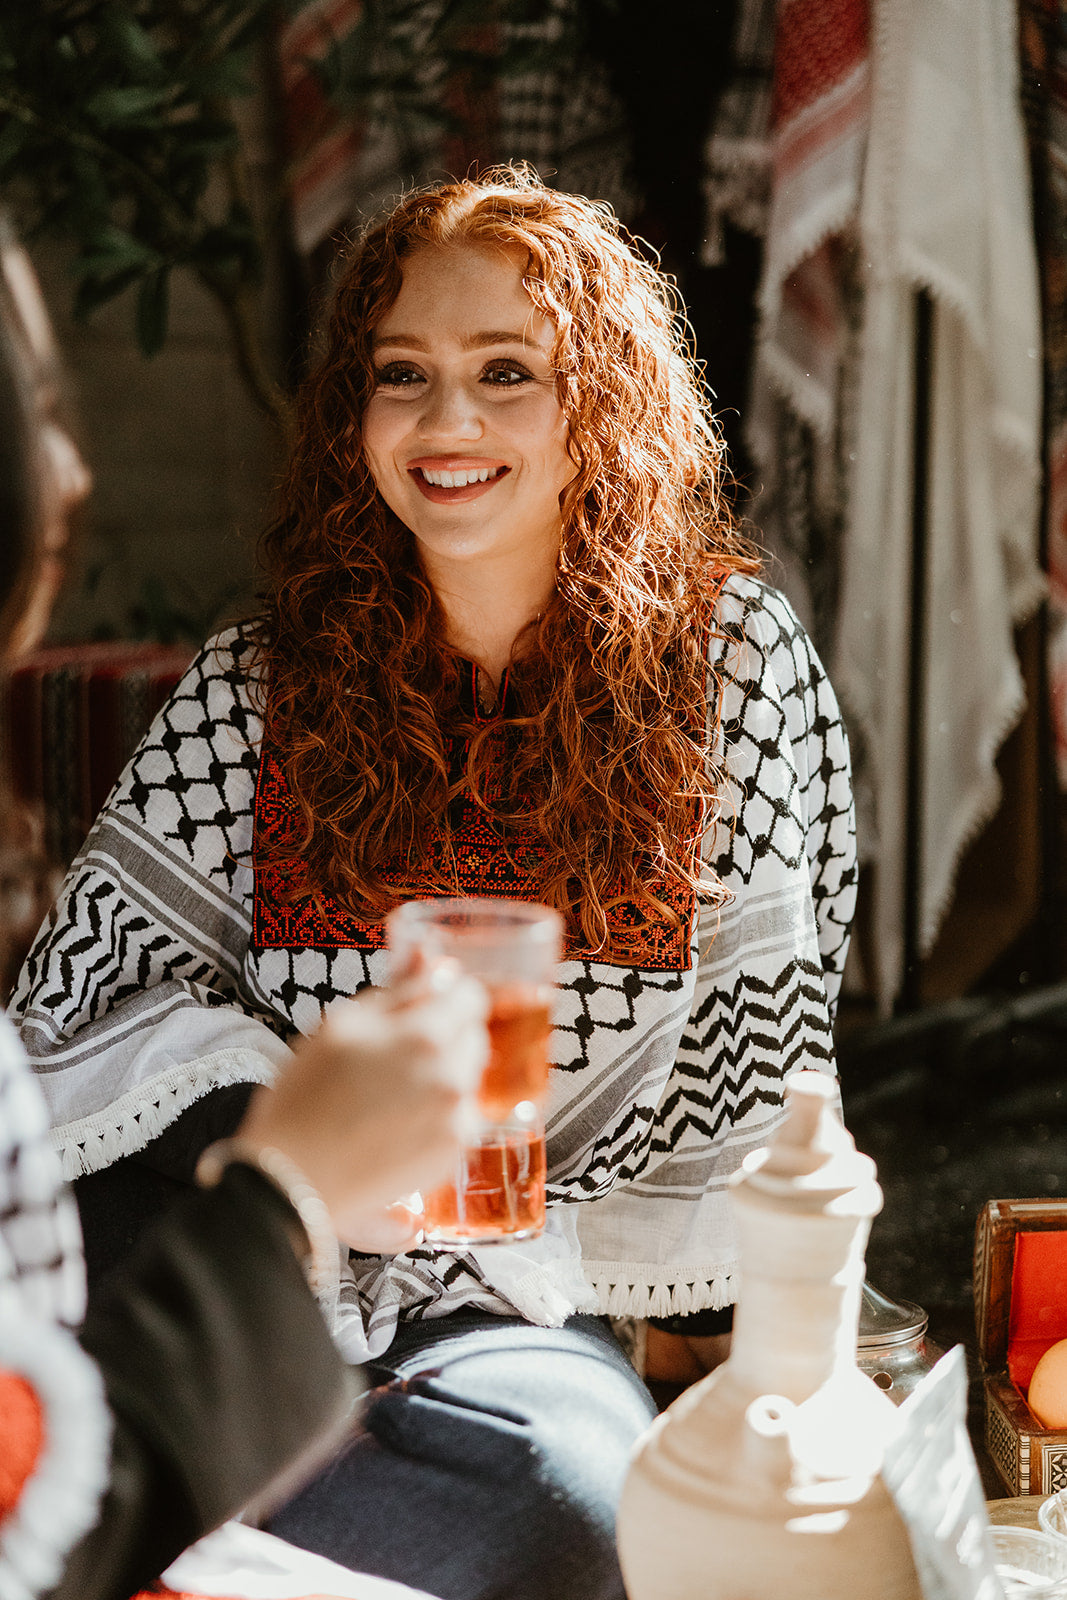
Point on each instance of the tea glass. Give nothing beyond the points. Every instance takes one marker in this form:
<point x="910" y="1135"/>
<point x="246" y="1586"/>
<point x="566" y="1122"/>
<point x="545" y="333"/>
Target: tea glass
<point x="1052" y="1514"/>
<point x="496" y="1194"/>
<point x="1031" y="1565"/>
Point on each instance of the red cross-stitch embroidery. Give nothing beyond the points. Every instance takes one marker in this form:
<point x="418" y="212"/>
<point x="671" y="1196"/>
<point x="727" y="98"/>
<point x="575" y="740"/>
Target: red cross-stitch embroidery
<point x="654" y="943"/>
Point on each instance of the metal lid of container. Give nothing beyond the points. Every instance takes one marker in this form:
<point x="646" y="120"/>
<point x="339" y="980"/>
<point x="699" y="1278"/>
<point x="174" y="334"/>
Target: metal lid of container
<point x="885" y="1322"/>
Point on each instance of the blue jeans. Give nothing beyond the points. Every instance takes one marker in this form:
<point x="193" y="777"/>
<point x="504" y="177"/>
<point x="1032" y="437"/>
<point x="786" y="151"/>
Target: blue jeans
<point x="491" y="1463"/>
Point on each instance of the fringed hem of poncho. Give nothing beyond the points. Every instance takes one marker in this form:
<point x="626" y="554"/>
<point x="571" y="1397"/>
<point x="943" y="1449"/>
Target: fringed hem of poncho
<point x="643" y="1289"/>
<point x="139" y="1116"/>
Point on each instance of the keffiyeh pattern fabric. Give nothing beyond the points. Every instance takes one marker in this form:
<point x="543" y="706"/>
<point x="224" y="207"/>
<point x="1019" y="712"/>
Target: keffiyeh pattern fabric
<point x="148" y="988"/>
<point x="900" y="169"/>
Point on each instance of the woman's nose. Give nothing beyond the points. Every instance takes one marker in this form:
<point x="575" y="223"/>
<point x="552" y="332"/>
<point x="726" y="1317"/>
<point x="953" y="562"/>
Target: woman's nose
<point x="450" y="411"/>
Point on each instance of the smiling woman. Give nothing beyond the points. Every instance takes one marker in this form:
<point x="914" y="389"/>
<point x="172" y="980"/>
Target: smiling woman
<point x="580" y="578"/>
<point x="512" y="646"/>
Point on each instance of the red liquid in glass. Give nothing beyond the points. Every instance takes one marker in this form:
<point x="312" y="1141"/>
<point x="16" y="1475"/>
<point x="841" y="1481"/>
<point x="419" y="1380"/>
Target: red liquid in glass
<point x="519" y="1027"/>
<point x="503" y="1196"/>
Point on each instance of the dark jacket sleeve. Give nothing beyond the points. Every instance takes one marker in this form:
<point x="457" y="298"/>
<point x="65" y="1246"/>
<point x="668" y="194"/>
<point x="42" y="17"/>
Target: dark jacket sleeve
<point x="221" y="1376"/>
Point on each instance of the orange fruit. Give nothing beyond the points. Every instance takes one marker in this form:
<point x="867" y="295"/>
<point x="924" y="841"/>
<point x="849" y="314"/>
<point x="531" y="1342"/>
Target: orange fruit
<point x="1047" y="1398"/>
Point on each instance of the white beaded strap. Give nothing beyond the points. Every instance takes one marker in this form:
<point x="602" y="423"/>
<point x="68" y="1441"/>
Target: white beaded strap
<point x="320" y="1263"/>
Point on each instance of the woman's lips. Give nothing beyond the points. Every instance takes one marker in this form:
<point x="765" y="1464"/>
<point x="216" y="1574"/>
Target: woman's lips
<point x="456" y="480"/>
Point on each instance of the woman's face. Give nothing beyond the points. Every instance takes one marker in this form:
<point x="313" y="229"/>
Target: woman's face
<point x="64" y="477"/>
<point x="463" y="433"/>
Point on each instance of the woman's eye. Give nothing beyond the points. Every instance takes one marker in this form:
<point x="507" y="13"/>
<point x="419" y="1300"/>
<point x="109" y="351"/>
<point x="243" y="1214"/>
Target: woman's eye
<point x="506" y="374"/>
<point x="397" y="375"/>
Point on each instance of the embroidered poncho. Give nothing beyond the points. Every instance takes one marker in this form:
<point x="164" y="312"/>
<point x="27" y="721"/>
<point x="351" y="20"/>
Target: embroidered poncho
<point x="166" y="970"/>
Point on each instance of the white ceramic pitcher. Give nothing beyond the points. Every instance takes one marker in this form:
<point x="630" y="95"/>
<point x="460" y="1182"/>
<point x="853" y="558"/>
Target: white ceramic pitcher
<point x="762" y="1481"/>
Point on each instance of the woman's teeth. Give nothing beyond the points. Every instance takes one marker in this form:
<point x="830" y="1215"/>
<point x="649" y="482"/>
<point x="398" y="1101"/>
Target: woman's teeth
<point x="458" y="480"/>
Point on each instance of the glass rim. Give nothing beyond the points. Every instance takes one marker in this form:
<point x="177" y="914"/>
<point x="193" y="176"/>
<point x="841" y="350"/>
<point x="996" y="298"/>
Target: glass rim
<point x="477" y="914"/>
<point x="1050" y="1505"/>
<point x="1015" y="1543"/>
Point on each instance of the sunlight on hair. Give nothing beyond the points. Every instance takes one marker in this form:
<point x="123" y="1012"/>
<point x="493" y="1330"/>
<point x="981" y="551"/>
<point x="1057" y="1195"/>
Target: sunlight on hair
<point x="604" y="757"/>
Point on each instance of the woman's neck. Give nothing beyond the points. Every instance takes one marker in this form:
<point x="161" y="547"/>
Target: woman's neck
<point x="485" y="612"/>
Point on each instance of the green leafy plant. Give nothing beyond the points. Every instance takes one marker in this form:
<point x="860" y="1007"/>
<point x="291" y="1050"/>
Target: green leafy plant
<point x="119" y="130"/>
<point x="118" y="133"/>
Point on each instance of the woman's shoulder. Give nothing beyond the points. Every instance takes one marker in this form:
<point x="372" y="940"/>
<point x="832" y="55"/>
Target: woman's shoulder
<point x="205" y="741"/>
<point x="766" y="664"/>
<point x="231" y="655"/>
<point x="756" y="609"/>
<point x="756" y="625"/>
<point x="224" y="673"/>
<point x="213" y="707"/>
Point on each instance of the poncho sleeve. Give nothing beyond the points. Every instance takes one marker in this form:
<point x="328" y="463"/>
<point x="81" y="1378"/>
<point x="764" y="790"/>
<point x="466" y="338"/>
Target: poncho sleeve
<point x="783" y="665"/>
<point x="768" y="962"/>
<point x="134" y="1000"/>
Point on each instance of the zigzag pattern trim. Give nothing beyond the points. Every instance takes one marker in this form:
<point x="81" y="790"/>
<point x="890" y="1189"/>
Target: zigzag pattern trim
<point x="628" y="1289"/>
<point x="135" y="1119"/>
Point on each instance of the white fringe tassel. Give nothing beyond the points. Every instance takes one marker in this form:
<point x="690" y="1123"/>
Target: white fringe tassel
<point x="626" y="1289"/>
<point x="137" y="1117"/>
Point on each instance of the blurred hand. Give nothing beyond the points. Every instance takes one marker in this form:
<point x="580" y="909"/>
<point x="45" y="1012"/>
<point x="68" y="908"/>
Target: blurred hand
<point x="390" y="1230"/>
<point x="378" y="1102"/>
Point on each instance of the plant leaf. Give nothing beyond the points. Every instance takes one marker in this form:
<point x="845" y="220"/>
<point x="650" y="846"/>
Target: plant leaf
<point x="132" y="43"/>
<point x="230" y="248"/>
<point x="110" y="250"/>
<point x="93" y="292"/>
<point x="153" y="306"/>
<point x="132" y="103"/>
<point x="12" y="138"/>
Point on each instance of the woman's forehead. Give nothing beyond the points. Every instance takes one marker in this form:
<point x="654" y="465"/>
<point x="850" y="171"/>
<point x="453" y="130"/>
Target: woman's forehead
<point x="482" y="283"/>
<point x="464" y="259"/>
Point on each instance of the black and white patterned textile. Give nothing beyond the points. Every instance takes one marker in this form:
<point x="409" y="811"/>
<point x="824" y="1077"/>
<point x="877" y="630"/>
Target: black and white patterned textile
<point x="737" y="153"/>
<point x="42" y="1295"/>
<point x="40" y="1243"/>
<point x="144" y="990"/>
<point x="562" y="115"/>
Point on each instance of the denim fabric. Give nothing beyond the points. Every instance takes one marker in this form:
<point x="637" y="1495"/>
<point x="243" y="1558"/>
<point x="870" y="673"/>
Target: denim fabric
<point x="491" y="1463"/>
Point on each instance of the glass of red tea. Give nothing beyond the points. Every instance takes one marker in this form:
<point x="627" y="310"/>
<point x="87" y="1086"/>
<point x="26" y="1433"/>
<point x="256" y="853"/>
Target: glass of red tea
<point x="497" y="1192"/>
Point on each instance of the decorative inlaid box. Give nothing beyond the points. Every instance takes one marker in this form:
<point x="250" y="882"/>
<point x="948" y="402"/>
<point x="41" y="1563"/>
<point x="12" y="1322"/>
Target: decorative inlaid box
<point x="1020" y="1306"/>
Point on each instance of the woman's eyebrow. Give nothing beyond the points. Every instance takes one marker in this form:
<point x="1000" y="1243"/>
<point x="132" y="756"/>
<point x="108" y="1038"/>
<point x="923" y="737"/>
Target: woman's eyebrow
<point x="474" y="341"/>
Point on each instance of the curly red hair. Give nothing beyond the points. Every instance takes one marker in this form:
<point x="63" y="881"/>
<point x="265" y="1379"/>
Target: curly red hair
<point x="606" y="734"/>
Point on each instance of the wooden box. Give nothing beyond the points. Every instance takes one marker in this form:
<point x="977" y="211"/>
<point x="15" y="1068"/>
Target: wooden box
<point x="1020" y="1305"/>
